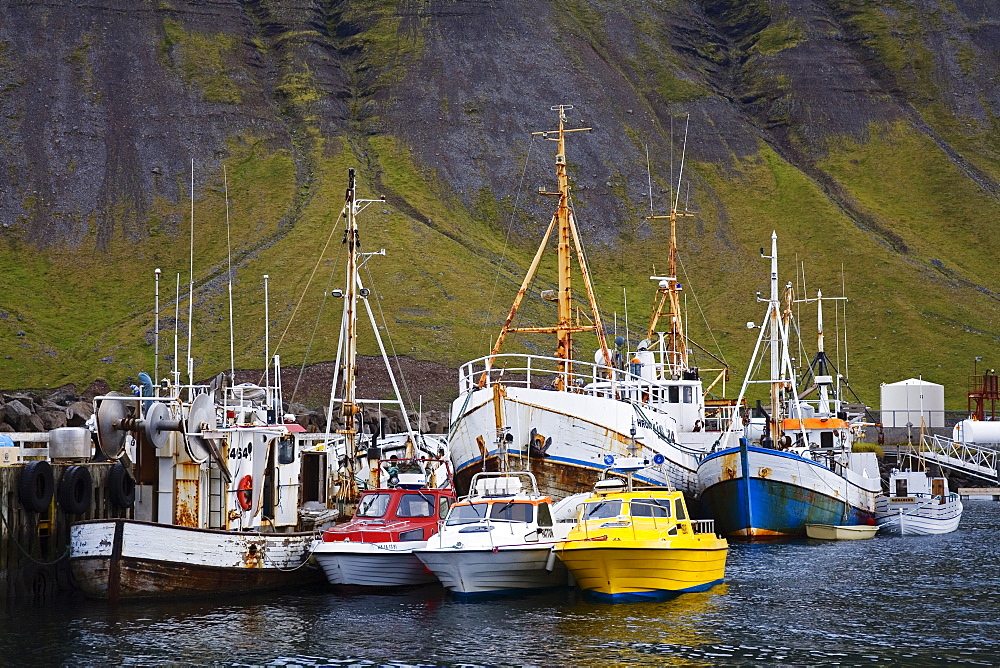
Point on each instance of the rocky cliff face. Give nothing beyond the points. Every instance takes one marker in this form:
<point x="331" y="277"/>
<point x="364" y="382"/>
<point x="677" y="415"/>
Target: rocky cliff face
<point x="865" y="127"/>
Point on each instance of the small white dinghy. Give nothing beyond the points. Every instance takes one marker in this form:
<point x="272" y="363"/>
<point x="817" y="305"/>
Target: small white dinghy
<point x="917" y="505"/>
<point x="844" y="532"/>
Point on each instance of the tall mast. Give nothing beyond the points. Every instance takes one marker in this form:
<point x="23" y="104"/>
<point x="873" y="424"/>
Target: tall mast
<point x="349" y="406"/>
<point x="568" y="241"/>
<point x="774" y="312"/>
<point x="564" y="334"/>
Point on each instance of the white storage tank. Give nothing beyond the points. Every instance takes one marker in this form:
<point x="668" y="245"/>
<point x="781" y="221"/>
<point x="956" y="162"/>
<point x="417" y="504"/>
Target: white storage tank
<point x="904" y="402"/>
<point x="977" y="431"/>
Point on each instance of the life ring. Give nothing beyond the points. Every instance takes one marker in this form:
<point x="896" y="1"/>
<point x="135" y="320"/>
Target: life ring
<point x="74" y="490"/>
<point x="244" y="492"/>
<point x="35" y="486"/>
<point x="121" y="487"/>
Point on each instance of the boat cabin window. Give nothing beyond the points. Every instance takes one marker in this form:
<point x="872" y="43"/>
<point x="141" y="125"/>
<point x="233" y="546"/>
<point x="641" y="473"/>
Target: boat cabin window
<point x="826" y="439"/>
<point x="688" y="394"/>
<point x="509" y="511"/>
<point x="415" y="505"/>
<point x="544" y="515"/>
<point x="674" y="393"/>
<point x="649" y="508"/>
<point x="900" y="486"/>
<point x="467" y="513"/>
<point x="680" y="511"/>
<point x="599" y="510"/>
<point x="443" y="504"/>
<point x="373" y="505"/>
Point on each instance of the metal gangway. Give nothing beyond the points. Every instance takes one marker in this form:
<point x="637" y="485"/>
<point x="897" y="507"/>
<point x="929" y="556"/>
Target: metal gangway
<point x="975" y="460"/>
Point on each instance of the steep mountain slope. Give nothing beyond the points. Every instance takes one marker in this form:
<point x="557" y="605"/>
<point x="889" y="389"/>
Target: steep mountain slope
<point x="864" y="133"/>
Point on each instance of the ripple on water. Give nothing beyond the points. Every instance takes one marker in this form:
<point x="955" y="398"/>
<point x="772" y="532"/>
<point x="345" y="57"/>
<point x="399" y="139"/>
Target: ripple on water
<point x="886" y="600"/>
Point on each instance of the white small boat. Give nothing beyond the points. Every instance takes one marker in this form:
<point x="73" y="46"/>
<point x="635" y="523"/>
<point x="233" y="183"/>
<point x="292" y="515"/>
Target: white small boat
<point x="844" y="532"/>
<point x="497" y="540"/>
<point x="917" y="505"/>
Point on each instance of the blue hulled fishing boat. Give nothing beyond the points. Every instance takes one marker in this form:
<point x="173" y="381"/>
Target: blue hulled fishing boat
<point x="794" y="465"/>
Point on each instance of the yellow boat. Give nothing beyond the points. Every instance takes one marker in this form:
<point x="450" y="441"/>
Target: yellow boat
<point x="640" y="544"/>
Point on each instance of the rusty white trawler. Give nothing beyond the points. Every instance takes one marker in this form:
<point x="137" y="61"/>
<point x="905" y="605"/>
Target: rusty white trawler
<point x="559" y="417"/>
<point x="221" y="497"/>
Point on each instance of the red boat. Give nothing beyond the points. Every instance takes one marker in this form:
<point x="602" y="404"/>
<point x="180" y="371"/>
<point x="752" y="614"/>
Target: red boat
<point x="375" y="548"/>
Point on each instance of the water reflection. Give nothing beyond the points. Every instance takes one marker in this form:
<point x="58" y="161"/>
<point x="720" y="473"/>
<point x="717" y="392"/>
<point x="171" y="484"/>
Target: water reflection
<point x="886" y="600"/>
<point x="674" y="629"/>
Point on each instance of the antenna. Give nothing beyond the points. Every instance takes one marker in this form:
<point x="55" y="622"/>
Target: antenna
<point x="628" y="348"/>
<point x="156" y="336"/>
<point x="671" y="186"/>
<point x="649" y="180"/>
<point x="680" y="172"/>
<point x="229" y="248"/>
<point x="190" y="364"/>
<point x="267" y="340"/>
<point x="177" y="324"/>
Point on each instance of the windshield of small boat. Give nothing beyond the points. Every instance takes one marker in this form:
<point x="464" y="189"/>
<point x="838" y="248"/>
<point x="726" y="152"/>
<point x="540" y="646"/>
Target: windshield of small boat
<point x="467" y="513"/>
<point x="373" y="505"/>
<point x="415" y="505"/>
<point x="509" y="511"/>
<point x="599" y="510"/>
<point x="649" y="508"/>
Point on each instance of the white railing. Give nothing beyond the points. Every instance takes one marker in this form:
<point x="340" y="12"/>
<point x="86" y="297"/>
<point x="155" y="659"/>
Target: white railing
<point x="520" y="370"/>
<point x="703" y="526"/>
<point x="974" y="460"/>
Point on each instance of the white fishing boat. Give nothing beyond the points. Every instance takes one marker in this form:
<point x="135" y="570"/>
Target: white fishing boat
<point x="496" y="540"/>
<point x="217" y="494"/>
<point x="917" y="505"/>
<point x="558" y="416"/>
<point x="802" y="469"/>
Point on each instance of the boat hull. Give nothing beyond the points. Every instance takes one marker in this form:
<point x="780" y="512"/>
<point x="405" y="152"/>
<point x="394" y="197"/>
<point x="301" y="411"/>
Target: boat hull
<point x="583" y="429"/>
<point x="128" y="559"/>
<point x="635" y="573"/>
<point x="501" y="570"/>
<point x="373" y="564"/>
<point x="831" y="532"/>
<point x="761" y="494"/>
<point x="916" y="518"/>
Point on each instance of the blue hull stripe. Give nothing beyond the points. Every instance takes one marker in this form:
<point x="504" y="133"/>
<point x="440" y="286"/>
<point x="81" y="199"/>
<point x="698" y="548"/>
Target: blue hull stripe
<point x="639" y="596"/>
<point x="558" y="460"/>
<point x="498" y="593"/>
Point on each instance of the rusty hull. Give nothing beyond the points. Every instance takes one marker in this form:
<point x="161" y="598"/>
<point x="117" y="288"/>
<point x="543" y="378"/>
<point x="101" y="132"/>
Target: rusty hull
<point x="149" y="579"/>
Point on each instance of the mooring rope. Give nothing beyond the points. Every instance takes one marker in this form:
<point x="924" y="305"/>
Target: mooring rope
<point x="10" y="532"/>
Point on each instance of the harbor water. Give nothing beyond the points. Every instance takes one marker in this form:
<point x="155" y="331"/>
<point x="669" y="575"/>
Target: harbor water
<point x="904" y="601"/>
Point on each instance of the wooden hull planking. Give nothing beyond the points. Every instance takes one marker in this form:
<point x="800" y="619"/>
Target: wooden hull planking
<point x="126" y="559"/>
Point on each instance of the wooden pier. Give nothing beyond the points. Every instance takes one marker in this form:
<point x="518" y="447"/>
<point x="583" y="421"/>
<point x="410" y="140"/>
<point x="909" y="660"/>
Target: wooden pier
<point x="34" y="544"/>
<point x="979" y="492"/>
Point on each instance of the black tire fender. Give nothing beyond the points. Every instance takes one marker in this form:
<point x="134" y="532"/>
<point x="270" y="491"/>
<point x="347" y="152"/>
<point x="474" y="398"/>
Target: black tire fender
<point x="121" y="487"/>
<point x="75" y="490"/>
<point x="35" y="486"/>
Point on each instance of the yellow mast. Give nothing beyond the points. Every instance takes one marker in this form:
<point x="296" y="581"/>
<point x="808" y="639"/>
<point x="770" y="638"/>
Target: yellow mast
<point x="669" y="289"/>
<point x="568" y="239"/>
